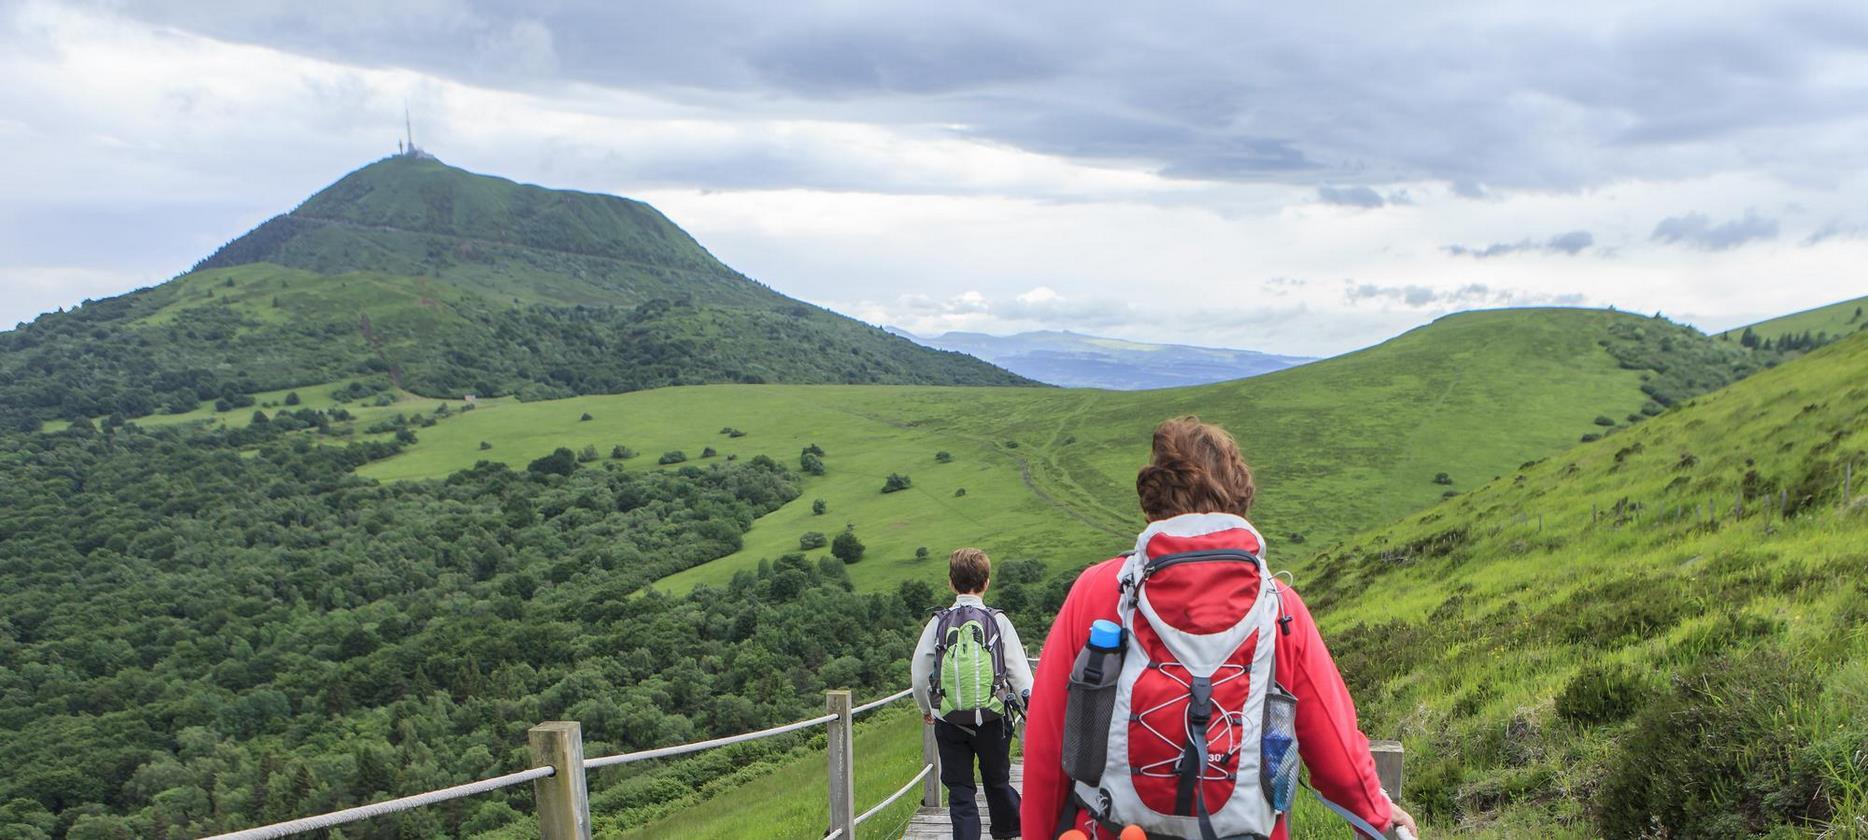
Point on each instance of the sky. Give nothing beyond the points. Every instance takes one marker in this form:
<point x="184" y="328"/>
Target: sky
<point x="1302" y="178"/>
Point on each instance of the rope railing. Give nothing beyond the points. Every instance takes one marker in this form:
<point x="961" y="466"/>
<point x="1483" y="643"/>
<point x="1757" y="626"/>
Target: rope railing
<point x="925" y="770"/>
<point x="391" y="806"/>
<point x="877" y="704"/>
<point x="682" y="749"/>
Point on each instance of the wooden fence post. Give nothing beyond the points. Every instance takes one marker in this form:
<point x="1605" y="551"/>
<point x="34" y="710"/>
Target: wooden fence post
<point x="563" y="800"/>
<point x="842" y="770"/>
<point x="1388" y="756"/>
<point x="930" y="755"/>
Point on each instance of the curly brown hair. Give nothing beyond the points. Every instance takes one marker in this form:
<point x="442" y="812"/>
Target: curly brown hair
<point x="1195" y="468"/>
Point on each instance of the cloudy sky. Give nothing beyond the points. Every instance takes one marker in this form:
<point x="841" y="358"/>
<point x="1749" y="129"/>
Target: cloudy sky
<point x="1295" y="177"/>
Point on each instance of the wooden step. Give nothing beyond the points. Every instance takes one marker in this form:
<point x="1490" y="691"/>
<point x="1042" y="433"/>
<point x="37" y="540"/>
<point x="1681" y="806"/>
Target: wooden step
<point x="933" y="824"/>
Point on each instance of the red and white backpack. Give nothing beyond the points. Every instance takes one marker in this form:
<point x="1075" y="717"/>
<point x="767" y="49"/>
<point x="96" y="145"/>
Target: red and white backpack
<point x="1200" y="739"/>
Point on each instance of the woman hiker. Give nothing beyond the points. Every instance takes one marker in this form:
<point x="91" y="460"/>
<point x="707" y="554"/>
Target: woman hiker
<point x="1180" y="684"/>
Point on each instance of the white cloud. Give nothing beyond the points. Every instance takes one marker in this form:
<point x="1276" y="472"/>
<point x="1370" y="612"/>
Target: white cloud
<point x="134" y="149"/>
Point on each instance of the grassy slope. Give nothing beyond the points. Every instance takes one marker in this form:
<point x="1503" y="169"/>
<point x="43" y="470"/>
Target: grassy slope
<point x="1517" y="611"/>
<point x="1836" y="319"/>
<point x="1472" y="690"/>
<point x="1340" y="443"/>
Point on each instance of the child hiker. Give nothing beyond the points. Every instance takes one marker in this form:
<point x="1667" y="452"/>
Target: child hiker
<point x="970" y="676"/>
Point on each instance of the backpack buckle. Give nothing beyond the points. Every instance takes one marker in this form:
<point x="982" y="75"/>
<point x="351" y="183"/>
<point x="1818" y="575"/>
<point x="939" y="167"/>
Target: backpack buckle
<point x="1200" y="701"/>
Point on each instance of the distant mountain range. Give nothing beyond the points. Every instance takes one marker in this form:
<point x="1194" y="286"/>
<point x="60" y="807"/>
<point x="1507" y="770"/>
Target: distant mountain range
<point x="1074" y="360"/>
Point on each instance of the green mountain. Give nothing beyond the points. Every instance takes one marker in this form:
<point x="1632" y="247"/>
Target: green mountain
<point x="1811" y="326"/>
<point x="444" y="283"/>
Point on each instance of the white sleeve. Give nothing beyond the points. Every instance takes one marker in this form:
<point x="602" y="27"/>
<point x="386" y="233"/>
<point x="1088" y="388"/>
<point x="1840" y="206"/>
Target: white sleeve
<point x="1017" y="667"/>
<point x="922" y="666"/>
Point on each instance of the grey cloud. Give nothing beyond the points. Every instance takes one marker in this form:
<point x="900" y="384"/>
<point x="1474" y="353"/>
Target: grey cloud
<point x="1206" y="90"/>
<point x="1571" y="243"/>
<point x="1834" y="229"/>
<point x="1350" y="196"/>
<point x="1697" y="231"/>
<point x="1470" y="295"/>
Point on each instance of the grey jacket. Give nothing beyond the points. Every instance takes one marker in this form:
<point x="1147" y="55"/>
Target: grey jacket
<point x="1017" y="667"/>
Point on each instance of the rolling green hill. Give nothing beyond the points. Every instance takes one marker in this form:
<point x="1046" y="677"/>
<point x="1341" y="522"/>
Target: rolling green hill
<point x="1824" y="322"/>
<point x="447" y="283"/>
<point x="1048" y="474"/>
<point x="1656" y="634"/>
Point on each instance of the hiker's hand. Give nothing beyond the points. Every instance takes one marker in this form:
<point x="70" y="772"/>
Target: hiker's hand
<point x="1405" y="820"/>
<point x="927" y="718"/>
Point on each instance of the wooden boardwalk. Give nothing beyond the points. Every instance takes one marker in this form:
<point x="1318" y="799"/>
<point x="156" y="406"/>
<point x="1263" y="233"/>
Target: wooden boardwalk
<point x="932" y="823"/>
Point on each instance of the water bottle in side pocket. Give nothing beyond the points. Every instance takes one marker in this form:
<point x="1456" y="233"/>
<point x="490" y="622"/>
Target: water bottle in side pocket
<point x="1091" y="701"/>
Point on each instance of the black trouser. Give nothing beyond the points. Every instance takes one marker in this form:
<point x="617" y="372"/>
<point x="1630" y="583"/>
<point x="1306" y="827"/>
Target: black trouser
<point x="991" y="743"/>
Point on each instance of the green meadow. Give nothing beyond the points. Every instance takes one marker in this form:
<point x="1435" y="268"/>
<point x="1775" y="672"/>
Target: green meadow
<point x="1047" y="474"/>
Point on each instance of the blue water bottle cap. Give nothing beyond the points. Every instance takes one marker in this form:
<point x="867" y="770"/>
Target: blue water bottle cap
<point x="1105" y="634"/>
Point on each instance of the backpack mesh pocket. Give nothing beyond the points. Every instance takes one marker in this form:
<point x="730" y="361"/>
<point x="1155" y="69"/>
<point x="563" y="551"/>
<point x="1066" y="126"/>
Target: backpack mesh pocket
<point x="1278" y="758"/>
<point x="1087" y="710"/>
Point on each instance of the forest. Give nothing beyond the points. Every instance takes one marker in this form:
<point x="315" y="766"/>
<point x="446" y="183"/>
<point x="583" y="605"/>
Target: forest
<point x="205" y="630"/>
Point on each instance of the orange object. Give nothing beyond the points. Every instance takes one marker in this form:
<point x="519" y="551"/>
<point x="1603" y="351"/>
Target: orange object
<point x="1133" y="832"/>
<point x="1072" y="834"/>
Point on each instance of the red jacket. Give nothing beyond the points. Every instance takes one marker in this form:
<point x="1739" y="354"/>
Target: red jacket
<point x="1334" y="750"/>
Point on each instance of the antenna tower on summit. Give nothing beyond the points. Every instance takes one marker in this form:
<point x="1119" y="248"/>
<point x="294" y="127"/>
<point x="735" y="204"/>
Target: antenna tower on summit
<point x="406" y="147"/>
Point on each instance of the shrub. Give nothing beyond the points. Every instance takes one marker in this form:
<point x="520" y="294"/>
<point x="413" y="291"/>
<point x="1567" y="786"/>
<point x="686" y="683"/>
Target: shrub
<point x="1019" y="571"/>
<point x="1591" y="437"/>
<point x="921" y="553"/>
<point x="960" y="492"/>
<point x="812" y="539"/>
<point x="484" y="446"/>
<point x="673" y="457"/>
<point x="621" y="452"/>
<point x="818" y="507"/>
<point x="1718" y="756"/>
<point x="587" y="454"/>
<point x="896" y="482"/>
<point x="586" y="418"/>
<point x="813" y="449"/>
<point x="916" y="595"/>
<point x="708" y="452"/>
<point x="811" y="464"/>
<point x="1011" y="444"/>
<point x="1604" y="420"/>
<point x="943" y="457"/>
<point x="1599" y="695"/>
<point x="292" y="398"/>
<point x="561" y="461"/>
<point x="847" y="547"/>
<point x="1294" y="538"/>
<point x="1442" y="478"/>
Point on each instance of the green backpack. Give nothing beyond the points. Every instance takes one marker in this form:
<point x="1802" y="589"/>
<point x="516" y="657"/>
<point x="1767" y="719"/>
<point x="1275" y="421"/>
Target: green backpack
<point x="969" y="681"/>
